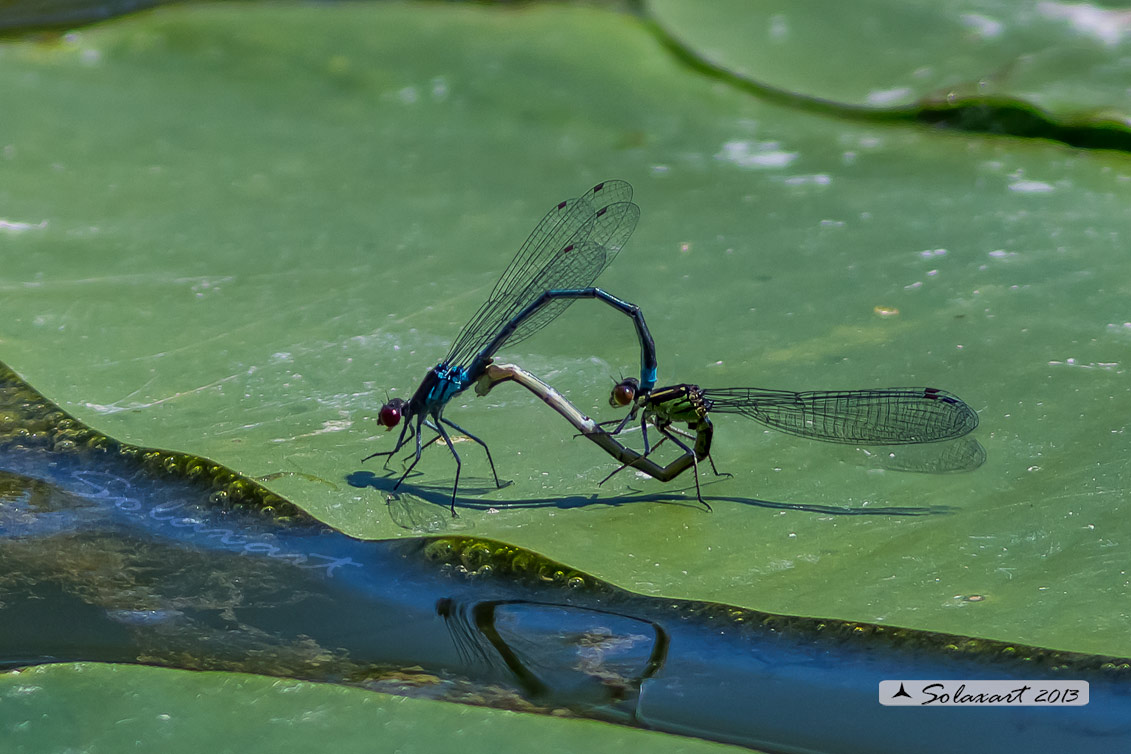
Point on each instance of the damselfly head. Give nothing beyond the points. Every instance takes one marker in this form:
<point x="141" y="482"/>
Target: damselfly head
<point x="391" y="412"/>
<point x="624" y="392"/>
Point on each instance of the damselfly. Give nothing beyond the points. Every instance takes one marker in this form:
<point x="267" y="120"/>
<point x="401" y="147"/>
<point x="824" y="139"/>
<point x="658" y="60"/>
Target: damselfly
<point x="568" y="249"/>
<point x="888" y="416"/>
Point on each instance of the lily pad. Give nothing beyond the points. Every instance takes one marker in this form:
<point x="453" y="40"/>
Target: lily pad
<point x="229" y="230"/>
<point x="48" y="708"/>
<point x="1071" y="59"/>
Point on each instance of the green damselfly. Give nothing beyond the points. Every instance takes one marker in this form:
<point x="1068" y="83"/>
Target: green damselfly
<point x="887" y="416"/>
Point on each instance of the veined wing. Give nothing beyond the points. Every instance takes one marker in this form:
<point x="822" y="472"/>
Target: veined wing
<point x="891" y="416"/>
<point x="575" y="266"/>
<point x="604" y="216"/>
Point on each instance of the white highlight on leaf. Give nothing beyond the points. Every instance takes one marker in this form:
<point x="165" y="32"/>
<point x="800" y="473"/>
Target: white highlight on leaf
<point x="756" y="154"/>
<point x="1106" y="25"/>
<point x="983" y="26"/>
<point x="883" y="97"/>
<point x="13" y="226"/>
<point x="1031" y="187"/>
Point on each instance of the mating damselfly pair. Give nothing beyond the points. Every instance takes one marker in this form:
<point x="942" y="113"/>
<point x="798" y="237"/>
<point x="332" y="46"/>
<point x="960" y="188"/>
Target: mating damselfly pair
<point x="557" y="265"/>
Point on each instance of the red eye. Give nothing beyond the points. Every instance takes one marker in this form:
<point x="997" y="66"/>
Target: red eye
<point x="390" y="414"/>
<point x="623" y="393"/>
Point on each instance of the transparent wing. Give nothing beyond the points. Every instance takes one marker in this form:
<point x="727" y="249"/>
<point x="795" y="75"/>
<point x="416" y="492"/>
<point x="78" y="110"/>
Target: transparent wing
<point x="891" y="416"/>
<point x="959" y="455"/>
<point x="604" y="217"/>
<point x="574" y="267"/>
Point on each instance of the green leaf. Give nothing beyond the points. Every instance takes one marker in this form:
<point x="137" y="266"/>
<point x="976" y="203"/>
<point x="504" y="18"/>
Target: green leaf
<point x="1070" y="59"/>
<point x="230" y="230"/>
<point x="50" y="708"/>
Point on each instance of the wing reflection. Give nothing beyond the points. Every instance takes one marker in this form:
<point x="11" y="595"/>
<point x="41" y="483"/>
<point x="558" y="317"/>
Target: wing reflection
<point x="558" y="653"/>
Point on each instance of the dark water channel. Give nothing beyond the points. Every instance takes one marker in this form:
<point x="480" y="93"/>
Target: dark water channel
<point x="115" y="553"/>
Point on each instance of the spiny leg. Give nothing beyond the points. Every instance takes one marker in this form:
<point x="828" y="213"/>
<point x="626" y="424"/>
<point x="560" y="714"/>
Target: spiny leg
<point x="608" y="423"/>
<point x="620" y="427"/>
<point x="430" y="425"/>
<point x="400" y="443"/>
<point x="442" y="435"/>
<point x="455" y="485"/>
<point x="694" y="463"/>
<point x="621" y="423"/>
<point x="624" y="466"/>
<point x="644" y="434"/>
<point x="490" y="460"/>
<point x="716" y="471"/>
<point x="408" y="471"/>
<point x="690" y="436"/>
